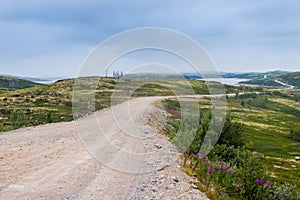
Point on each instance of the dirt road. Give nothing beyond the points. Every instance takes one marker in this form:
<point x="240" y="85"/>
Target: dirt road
<point x="51" y="161"/>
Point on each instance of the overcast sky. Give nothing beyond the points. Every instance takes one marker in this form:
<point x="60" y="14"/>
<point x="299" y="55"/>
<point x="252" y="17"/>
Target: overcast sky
<point x="44" y="38"/>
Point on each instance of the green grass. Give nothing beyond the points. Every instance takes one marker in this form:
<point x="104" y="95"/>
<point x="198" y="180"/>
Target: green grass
<point x="53" y="103"/>
<point x="267" y="124"/>
<point x="267" y="121"/>
<point x="268" y="129"/>
<point x="267" y="118"/>
<point x="42" y="104"/>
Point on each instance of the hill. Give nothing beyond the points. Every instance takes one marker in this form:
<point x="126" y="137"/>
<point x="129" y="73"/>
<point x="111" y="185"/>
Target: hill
<point x="53" y="102"/>
<point x="246" y="75"/>
<point x="254" y="75"/>
<point x="288" y="80"/>
<point x="15" y="83"/>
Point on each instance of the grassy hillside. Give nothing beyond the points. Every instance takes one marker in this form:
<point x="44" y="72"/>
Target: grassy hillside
<point x="267" y="118"/>
<point x="53" y="103"/>
<point x="292" y="79"/>
<point x="266" y="122"/>
<point x="262" y="82"/>
<point x="44" y="104"/>
<point x="15" y="83"/>
<point x="254" y="75"/>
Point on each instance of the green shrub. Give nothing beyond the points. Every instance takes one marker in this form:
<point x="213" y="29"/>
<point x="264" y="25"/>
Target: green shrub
<point x="18" y="118"/>
<point x="253" y="176"/>
<point x="226" y="153"/>
<point x="295" y="135"/>
<point x="232" y="134"/>
<point x="49" y="118"/>
<point x="283" y="192"/>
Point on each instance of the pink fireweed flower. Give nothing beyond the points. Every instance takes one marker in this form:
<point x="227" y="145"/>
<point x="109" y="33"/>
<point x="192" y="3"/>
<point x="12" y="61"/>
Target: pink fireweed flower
<point x="268" y="182"/>
<point x="208" y="170"/>
<point x="222" y="163"/>
<point x="173" y="111"/>
<point x="213" y="169"/>
<point x="266" y="187"/>
<point x="207" y="174"/>
<point x="198" y="155"/>
<point x="202" y="164"/>
<point x="219" y="171"/>
<point x="240" y="185"/>
<point x="257" y="181"/>
<point x="230" y="173"/>
<point x="226" y="168"/>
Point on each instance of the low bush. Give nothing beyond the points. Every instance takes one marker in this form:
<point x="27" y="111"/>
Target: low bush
<point x="295" y="135"/>
<point x="229" y="171"/>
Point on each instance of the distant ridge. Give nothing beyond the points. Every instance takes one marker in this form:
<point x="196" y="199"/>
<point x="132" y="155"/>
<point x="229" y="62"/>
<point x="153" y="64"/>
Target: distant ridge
<point x="288" y="80"/>
<point x="254" y="75"/>
<point x="7" y="82"/>
<point x="35" y="80"/>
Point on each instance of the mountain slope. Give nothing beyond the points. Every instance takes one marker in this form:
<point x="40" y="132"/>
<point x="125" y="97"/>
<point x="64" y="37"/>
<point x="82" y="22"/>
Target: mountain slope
<point x="254" y="75"/>
<point x="15" y="83"/>
<point x="289" y="80"/>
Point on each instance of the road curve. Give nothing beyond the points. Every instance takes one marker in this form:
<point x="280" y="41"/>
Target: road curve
<point x="51" y="162"/>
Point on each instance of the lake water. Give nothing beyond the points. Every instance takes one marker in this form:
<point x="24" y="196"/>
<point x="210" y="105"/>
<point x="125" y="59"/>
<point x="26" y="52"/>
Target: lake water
<point x="45" y="81"/>
<point x="228" y="81"/>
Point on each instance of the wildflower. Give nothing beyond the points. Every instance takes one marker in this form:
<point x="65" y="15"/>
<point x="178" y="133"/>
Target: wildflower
<point x="206" y="158"/>
<point x="230" y="173"/>
<point x="219" y="171"/>
<point x="222" y="163"/>
<point x="198" y="155"/>
<point x="207" y="174"/>
<point x="226" y="168"/>
<point x="213" y="169"/>
<point x="240" y="185"/>
<point x="257" y="181"/>
<point x="268" y="182"/>
<point x="185" y="154"/>
<point x="208" y="170"/>
<point x="202" y="164"/>
<point x="266" y="187"/>
<point x="175" y="112"/>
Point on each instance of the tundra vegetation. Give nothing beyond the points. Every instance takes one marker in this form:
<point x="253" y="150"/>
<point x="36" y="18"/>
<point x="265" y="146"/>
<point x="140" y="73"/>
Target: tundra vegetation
<point x="265" y="123"/>
<point x="259" y="120"/>
<point x="40" y="104"/>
